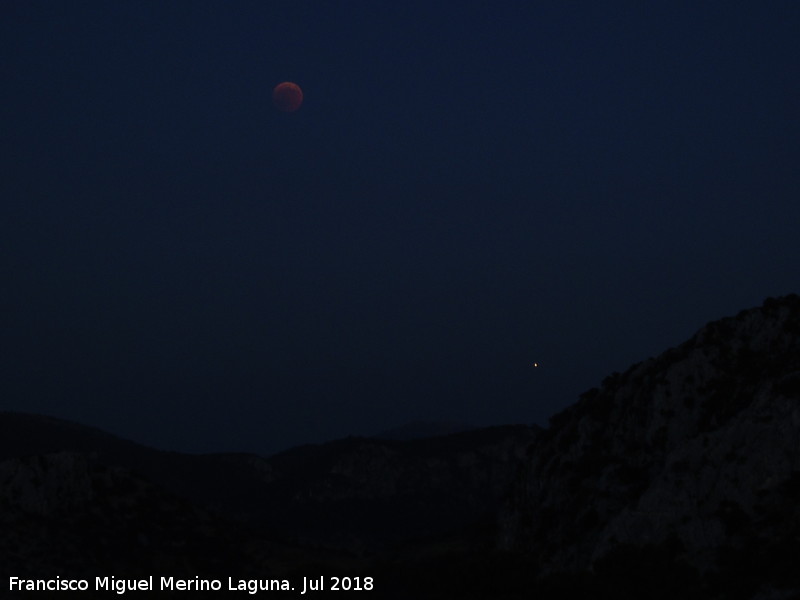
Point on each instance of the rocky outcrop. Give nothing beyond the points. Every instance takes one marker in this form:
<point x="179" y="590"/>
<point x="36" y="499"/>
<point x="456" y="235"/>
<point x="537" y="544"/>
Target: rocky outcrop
<point x="694" y="455"/>
<point x="46" y="485"/>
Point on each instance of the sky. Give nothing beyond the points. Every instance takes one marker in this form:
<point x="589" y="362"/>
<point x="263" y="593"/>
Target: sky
<point x="466" y="190"/>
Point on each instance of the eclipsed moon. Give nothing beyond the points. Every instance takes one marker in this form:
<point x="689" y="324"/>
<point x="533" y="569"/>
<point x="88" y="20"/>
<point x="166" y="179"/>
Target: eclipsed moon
<point x="287" y="96"/>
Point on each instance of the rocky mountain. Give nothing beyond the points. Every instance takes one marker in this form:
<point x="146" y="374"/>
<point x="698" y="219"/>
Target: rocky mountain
<point x="683" y="472"/>
<point x="679" y="478"/>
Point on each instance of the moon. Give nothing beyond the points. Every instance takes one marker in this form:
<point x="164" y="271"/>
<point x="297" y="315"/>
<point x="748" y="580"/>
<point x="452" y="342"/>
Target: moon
<point x="287" y="96"/>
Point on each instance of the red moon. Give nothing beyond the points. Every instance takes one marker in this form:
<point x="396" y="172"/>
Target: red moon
<point x="287" y="96"/>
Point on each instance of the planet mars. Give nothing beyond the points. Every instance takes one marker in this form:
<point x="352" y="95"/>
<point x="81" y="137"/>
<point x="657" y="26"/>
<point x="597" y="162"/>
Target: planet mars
<point x="287" y="96"/>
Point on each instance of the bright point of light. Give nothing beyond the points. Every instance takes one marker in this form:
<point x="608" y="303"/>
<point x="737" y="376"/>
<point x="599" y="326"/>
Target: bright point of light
<point x="535" y="364"/>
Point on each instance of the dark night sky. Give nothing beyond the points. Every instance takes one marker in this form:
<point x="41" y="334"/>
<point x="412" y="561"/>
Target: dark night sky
<point x="467" y="188"/>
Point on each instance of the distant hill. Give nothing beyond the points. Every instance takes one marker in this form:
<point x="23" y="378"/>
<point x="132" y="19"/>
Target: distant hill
<point x="423" y="429"/>
<point x="125" y="508"/>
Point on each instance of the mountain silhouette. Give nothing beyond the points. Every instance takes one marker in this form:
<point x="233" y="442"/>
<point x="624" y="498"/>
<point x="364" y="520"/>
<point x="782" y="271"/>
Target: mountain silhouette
<point x="679" y="477"/>
<point x="682" y="472"/>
